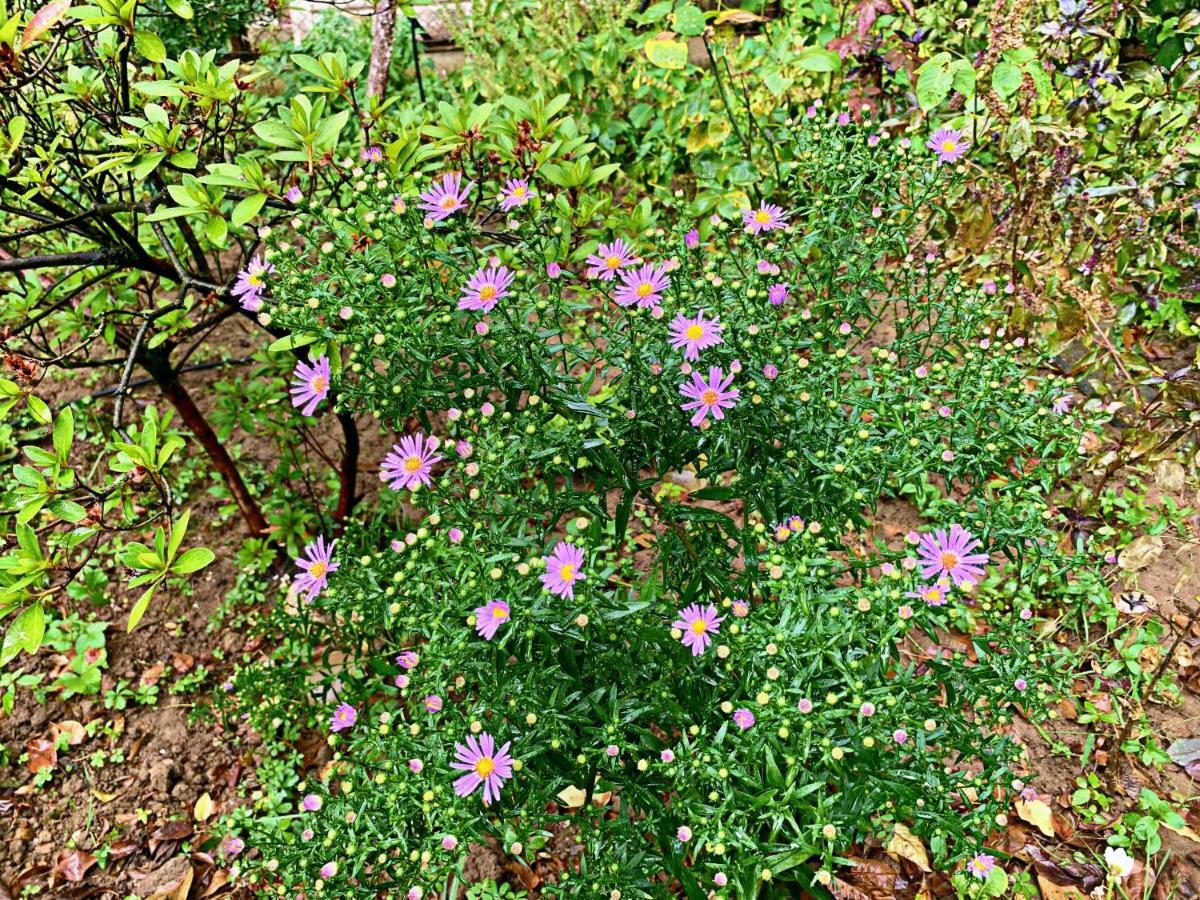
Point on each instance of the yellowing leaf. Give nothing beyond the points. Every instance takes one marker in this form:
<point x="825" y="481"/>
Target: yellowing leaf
<point x="1037" y="814"/>
<point x="204" y="807"/>
<point x="736" y="17"/>
<point x="666" y="52"/>
<point x="906" y="844"/>
<point x="1052" y="891"/>
<point x="103" y="797"/>
<point x="573" y="796"/>
<point x="1186" y="831"/>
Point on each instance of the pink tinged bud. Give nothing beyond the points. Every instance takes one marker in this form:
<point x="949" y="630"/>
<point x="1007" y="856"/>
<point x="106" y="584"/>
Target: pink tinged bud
<point x="612" y="750"/>
<point x="328" y="870"/>
<point x="388" y="280"/>
<point x="456" y="535"/>
<point x="310" y="803"/>
<point x="720" y="879"/>
<point x="684" y="833"/>
<point x="899" y="735"/>
<point x="667" y="756"/>
<point x="867" y="710"/>
<point x="415" y="765"/>
<point x="805" y="705"/>
<point x="449" y="842"/>
<point x="481" y="328"/>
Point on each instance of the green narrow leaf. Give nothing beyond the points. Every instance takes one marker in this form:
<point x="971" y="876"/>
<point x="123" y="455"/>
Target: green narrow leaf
<point x="177" y="533"/>
<point x="64" y="433"/>
<point x="149" y="45"/>
<point x="139" y="608"/>
<point x="247" y="208"/>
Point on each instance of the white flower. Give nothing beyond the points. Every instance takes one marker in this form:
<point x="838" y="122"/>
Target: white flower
<point x="1120" y="863"/>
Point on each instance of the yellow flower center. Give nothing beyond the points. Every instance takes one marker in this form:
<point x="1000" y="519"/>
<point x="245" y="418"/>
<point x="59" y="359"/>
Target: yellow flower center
<point x="613" y="262"/>
<point x="485" y="766"/>
<point x="487" y="292"/>
<point x="567" y="573"/>
<point x="709" y="397"/>
<point x="318" y="384"/>
<point x="518" y="192"/>
<point x="448" y="202"/>
<point x="694" y="332"/>
<point x="933" y="595"/>
<point x="949" y="560"/>
<point x="499" y="612"/>
<point x="412" y="464"/>
<point x="762" y="217"/>
<point x="949" y="146"/>
<point x="699" y="626"/>
<point x="643" y="290"/>
<point x="317" y="569"/>
<point x="256" y="280"/>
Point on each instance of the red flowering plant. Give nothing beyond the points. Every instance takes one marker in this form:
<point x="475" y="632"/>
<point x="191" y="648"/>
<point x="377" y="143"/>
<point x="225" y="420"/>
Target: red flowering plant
<point x="627" y="577"/>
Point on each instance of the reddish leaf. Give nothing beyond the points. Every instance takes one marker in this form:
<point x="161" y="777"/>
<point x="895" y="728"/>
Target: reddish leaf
<point x="868" y="11"/>
<point x="42" y="755"/>
<point x="72" y="865"/>
<point x="44" y="19"/>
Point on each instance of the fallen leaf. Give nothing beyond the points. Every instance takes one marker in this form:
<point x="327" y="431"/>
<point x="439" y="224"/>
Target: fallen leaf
<point x="1140" y="552"/>
<point x="1052" y="891"/>
<point x="1037" y="813"/>
<point x="906" y="844"/>
<point x="151" y="675"/>
<point x="573" y="796"/>
<point x="72" y="865"/>
<point x="103" y="797"/>
<point x="42" y="755"/>
<point x="1185" y="751"/>
<point x="203" y="809"/>
<point x="1170" y="475"/>
<point x="1133" y="603"/>
<point x="1185" y="831"/>
<point x="75" y="732"/>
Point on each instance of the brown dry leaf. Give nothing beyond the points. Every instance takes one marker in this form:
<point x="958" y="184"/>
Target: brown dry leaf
<point x="573" y="796"/>
<point x="1170" y="475"/>
<point x="1186" y="831"/>
<point x="1141" y="552"/>
<point x="219" y="878"/>
<point x="203" y="809"/>
<point x="1037" y="814"/>
<point x="152" y="674"/>
<point x="1052" y="891"/>
<point x="72" y="866"/>
<point x="906" y="844"/>
<point x="180" y="878"/>
<point x="42" y="755"/>
<point x="75" y="732"/>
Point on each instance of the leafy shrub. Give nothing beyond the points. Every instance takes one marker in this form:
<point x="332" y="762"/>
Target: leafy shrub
<point x="668" y="624"/>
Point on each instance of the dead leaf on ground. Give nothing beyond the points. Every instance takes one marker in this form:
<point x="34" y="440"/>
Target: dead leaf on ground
<point x="102" y="796"/>
<point x="903" y="843"/>
<point x="172" y="881"/>
<point x="42" y="755"/>
<point x="1170" y="475"/>
<point x="75" y="732"/>
<point x="574" y="797"/>
<point x="152" y="674"/>
<point x="1140" y="552"/>
<point x="72" y="866"/>
<point x="1052" y="891"/>
<point x="1037" y="813"/>
<point x="204" y="808"/>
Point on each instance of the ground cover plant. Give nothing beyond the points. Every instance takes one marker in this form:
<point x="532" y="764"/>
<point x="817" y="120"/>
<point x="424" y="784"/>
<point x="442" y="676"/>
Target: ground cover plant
<point x="633" y="449"/>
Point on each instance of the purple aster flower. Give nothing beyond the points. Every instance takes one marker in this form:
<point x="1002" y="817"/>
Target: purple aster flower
<point x="516" y="192"/>
<point x="1061" y="404"/>
<point x="770" y="371"/>
<point x="408" y="659"/>
<point x="698" y="624"/>
<point x="444" y="199"/>
<point x="343" y="717"/>
<point x="934" y="594"/>
<point x="250" y="284"/>
<point x="941" y="553"/>
<point x="691" y="240"/>
<point x="743" y="718"/>
<point x="234" y="845"/>
<point x="643" y="286"/>
<point x="485" y="288"/>
<point x="489" y="618"/>
<point x="712" y="396"/>
<point x="767" y="217"/>
<point x="433" y="703"/>
<point x="310" y="803"/>
<point x="981" y="865"/>
<point x="553" y="270"/>
<point x="609" y="259"/>
<point x="484" y="765"/>
<point x="372" y="154"/>
<point x="695" y="334"/>
<point x="329" y="870"/>
<point x="777" y="294"/>
<point x="948" y="144"/>
<point x="316" y="564"/>
<point x="410" y="462"/>
<point x="310" y="384"/>
<point x="293" y="194"/>
<point x="563" y="568"/>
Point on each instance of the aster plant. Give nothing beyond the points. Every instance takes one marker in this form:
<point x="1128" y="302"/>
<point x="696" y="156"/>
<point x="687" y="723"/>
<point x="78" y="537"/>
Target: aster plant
<point x="639" y="592"/>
